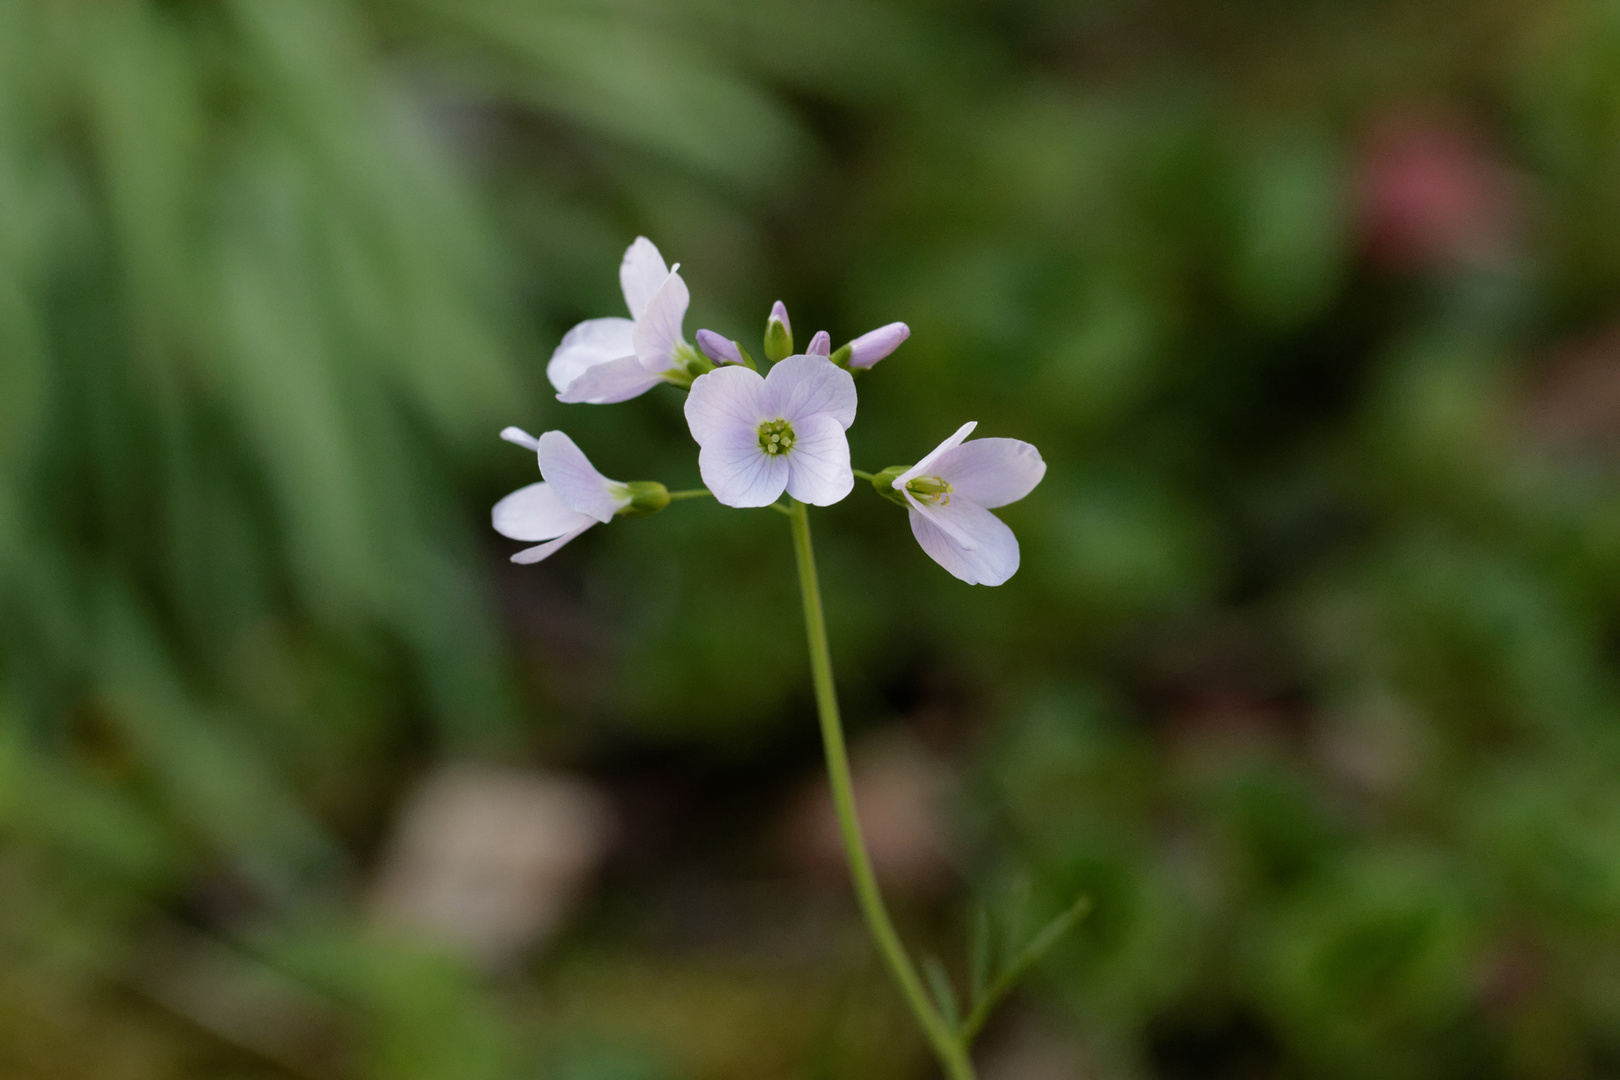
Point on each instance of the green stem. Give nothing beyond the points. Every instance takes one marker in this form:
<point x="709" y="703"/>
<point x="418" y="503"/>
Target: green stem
<point x="947" y="1046"/>
<point x="692" y="493"/>
<point x="868" y="477"/>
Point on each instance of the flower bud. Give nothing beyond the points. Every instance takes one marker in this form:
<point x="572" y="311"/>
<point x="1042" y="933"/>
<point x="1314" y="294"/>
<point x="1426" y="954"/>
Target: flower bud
<point x="646" y="497"/>
<point x="820" y="345"/>
<point x="874" y="345"/>
<point x="778" y="334"/>
<point x="883" y="482"/>
<point x="720" y="350"/>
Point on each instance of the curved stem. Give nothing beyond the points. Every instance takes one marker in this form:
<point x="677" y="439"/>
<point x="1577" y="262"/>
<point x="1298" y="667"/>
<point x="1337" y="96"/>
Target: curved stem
<point x="946" y="1044"/>
<point x="691" y="493"/>
<point x="868" y="477"/>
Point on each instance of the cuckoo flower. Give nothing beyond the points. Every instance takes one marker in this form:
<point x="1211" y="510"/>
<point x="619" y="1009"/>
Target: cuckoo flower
<point x="950" y="494"/>
<point x="761" y="435"/>
<point x="601" y="361"/>
<point x="572" y="498"/>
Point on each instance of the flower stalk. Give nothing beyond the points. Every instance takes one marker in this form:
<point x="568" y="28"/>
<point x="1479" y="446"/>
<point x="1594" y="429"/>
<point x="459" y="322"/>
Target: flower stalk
<point x="947" y="1044"/>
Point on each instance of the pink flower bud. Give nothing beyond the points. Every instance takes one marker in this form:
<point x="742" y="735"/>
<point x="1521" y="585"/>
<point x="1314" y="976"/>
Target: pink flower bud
<point x="719" y="349"/>
<point x="874" y="345"/>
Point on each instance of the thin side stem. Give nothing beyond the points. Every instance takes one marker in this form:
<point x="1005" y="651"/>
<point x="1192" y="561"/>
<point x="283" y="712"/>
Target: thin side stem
<point x="946" y="1045"/>
<point x="868" y="477"/>
<point x="691" y="493"/>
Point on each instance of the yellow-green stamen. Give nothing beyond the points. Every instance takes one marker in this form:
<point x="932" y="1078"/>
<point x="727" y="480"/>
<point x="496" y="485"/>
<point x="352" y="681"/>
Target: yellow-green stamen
<point x="776" y="437"/>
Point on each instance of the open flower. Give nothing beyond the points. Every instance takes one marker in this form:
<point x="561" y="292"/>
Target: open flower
<point x="601" y="361"/>
<point x="950" y="494"/>
<point x="573" y="497"/>
<point x="761" y="435"/>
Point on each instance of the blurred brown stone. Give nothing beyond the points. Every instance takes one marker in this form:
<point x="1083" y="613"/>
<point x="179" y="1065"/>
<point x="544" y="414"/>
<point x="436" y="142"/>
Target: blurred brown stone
<point x="490" y="860"/>
<point x="901" y="794"/>
<point x="1574" y="406"/>
<point x="1029" y="1050"/>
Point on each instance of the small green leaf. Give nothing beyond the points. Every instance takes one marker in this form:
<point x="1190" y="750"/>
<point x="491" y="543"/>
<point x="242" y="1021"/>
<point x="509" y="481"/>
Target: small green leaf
<point x="983" y="956"/>
<point x="944" y="994"/>
<point x="1030" y="955"/>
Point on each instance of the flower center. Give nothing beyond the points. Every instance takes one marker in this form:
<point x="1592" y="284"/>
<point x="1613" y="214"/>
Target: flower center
<point x="933" y="490"/>
<point x="775" y="437"/>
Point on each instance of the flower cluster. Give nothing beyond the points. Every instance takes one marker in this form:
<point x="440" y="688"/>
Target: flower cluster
<point x="758" y="435"/>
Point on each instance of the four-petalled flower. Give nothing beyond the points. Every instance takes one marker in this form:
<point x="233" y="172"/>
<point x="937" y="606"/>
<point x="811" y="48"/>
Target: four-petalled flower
<point x="602" y="361"/>
<point x="572" y="497"/>
<point x="760" y="435"/>
<point x="950" y="494"/>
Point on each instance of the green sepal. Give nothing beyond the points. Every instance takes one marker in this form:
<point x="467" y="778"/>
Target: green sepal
<point x="778" y="341"/>
<point x="748" y="359"/>
<point x="883" y="484"/>
<point x="693" y="361"/>
<point x="646" y="497"/>
<point x="842" y="354"/>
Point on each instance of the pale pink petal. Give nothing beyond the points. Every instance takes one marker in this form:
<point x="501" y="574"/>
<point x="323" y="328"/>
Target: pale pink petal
<point x="640" y="274"/>
<point x="576" y="481"/>
<point x="536" y="513"/>
<point x="924" y="467"/>
<point x="807" y="385"/>
<point x="658" y="329"/>
<point x="605" y="384"/>
<point x="738" y="471"/>
<point x="818" y="464"/>
<point x="725" y="400"/>
<point x="592" y="342"/>
<point x="993" y="558"/>
<point x="874" y="345"/>
<point x="990" y="472"/>
<point x="535" y="554"/>
<point x="820" y="345"/>
<point x="779" y="313"/>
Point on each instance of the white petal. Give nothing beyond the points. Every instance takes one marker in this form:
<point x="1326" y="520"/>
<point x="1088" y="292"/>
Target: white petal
<point x="818" y="464"/>
<point x="536" y="513"/>
<point x="963" y="540"/>
<point x="535" y="554"/>
<point x="992" y="560"/>
<point x="592" y="342"/>
<point x="806" y="385"/>
<point x="991" y="472"/>
<point x="640" y="274"/>
<point x="520" y="437"/>
<point x="576" y="481"/>
<point x="605" y="384"/>
<point x="738" y="471"/>
<point x="726" y="400"/>
<point x="922" y="468"/>
<point x="658" y="329"/>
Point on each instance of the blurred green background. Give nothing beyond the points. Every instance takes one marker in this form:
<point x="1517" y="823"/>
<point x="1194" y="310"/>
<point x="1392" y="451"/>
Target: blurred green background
<point x="1308" y="678"/>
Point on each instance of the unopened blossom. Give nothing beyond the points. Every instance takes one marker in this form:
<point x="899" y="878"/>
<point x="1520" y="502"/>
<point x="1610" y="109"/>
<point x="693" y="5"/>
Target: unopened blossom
<point x="784" y="431"/>
<point x="573" y="497"/>
<point x="874" y="345"/>
<point x="778" y="334"/>
<point x="719" y="348"/>
<point x="820" y="344"/>
<point x="950" y="494"/>
<point x="601" y="361"/>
